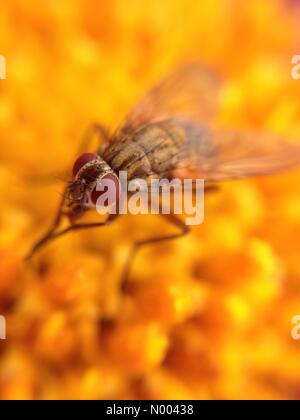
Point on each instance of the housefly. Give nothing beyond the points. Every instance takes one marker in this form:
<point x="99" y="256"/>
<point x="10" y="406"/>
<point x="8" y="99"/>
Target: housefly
<point x="170" y="133"/>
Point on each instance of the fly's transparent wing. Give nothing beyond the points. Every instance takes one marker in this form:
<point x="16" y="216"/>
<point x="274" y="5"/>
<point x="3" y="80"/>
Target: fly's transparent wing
<point x="218" y="154"/>
<point x="191" y="91"/>
<point x="183" y="106"/>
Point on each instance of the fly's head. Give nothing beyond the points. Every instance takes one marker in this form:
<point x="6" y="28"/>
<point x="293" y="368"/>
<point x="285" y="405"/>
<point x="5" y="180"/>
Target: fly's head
<point x="92" y="178"/>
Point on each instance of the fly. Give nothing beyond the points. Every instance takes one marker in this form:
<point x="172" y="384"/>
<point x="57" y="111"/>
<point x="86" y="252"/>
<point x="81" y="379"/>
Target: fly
<point x="169" y="134"/>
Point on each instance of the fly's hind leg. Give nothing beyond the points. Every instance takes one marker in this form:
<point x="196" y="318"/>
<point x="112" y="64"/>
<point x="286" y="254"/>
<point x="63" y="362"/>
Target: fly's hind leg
<point x="174" y="220"/>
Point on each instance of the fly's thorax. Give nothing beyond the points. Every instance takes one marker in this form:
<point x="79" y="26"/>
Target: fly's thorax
<point x="149" y="152"/>
<point x="89" y="172"/>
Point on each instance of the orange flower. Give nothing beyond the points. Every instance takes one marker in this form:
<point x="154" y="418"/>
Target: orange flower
<point x="208" y="316"/>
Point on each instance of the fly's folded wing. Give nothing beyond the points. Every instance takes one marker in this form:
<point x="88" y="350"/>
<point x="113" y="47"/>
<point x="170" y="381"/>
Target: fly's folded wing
<point x="228" y="154"/>
<point x="184" y="104"/>
<point x="192" y="91"/>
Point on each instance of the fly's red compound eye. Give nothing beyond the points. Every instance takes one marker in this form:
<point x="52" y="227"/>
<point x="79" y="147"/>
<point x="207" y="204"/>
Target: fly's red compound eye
<point x="110" y="191"/>
<point x="82" y="160"/>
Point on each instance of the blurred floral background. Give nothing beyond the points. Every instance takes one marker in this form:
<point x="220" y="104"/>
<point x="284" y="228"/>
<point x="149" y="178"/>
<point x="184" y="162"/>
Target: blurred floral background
<point x="208" y="316"/>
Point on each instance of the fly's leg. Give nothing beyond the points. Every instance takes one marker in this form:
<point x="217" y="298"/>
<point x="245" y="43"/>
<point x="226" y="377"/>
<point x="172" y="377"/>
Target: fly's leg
<point x="81" y="226"/>
<point x="184" y="230"/>
<point x="211" y="188"/>
<point x="97" y="131"/>
<point x="52" y="234"/>
<point x="102" y="138"/>
<point x="85" y="143"/>
<point x="48" y="235"/>
<point x="208" y="188"/>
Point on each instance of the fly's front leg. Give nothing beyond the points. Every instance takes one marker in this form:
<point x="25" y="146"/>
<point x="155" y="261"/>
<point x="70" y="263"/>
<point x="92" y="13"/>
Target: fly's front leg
<point x="81" y="226"/>
<point x="40" y="179"/>
<point x="102" y="138"/>
<point x="86" y="144"/>
<point x="56" y="222"/>
<point x="184" y="230"/>
<point x="53" y="233"/>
